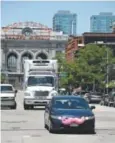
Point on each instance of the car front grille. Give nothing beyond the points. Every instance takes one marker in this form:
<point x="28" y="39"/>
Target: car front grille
<point x="43" y="94"/>
<point x="6" y="98"/>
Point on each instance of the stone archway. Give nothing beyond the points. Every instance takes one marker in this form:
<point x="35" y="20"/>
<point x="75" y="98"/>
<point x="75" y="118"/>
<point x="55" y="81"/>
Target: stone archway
<point x="12" y="59"/>
<point x="41" y="56"/>
<point x="26" y="55"/>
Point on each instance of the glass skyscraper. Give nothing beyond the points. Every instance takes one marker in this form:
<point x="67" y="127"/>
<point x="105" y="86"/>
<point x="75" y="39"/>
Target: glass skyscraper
<point x="102" y="23"/>
<point x="65" y="21"/>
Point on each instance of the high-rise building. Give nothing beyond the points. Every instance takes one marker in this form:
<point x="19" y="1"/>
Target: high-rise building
<point x="102" y="22"/>
<point x="65" y="21"/>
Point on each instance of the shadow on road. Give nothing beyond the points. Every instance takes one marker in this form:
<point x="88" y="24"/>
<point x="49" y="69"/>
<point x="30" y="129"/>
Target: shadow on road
<point x="18" y="129"/>
<point x="6" y="108"/>
<point x="75" y="133"/>
<point x="36" y="109"/>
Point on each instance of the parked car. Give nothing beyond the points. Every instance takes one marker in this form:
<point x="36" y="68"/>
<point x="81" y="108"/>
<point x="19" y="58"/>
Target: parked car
<point x="7" y="96"/>
<point x="81" y="93"/>
<point x="111" y="99"/>
<point x="69" y="112"/>
<point x="93" y="97"/>
<point x="105" y="100"/>
<point x="62" y="91"/>
<point x="114" y="101"/>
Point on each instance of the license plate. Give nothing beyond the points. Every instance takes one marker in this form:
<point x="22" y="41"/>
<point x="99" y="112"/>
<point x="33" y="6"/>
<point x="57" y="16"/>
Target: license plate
<point x="73" y="125"/>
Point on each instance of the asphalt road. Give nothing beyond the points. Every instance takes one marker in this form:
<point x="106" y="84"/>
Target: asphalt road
<point x="20" y="126"/>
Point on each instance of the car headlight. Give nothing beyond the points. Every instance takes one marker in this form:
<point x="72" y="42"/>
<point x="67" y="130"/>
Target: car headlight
<point x="62" y="117"/>
<point x="59" y="117"/>
<point x="27" y="94"/>
<point x="56" y="117"/>
<point x="89" y="117"/>
<point x="54" y="94"/>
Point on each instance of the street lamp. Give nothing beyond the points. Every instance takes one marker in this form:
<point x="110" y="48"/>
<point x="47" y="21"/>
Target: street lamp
<point x="111" y="26"/>
<point x="107" y="62"/>
<point x="107" y="70"/>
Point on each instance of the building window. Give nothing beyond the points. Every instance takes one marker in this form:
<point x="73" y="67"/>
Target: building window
<point x="12" y="62"/>
<point x="41" y="56"/>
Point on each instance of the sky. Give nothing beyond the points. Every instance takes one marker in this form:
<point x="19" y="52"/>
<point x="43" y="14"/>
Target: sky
<point x="37" y="11"/>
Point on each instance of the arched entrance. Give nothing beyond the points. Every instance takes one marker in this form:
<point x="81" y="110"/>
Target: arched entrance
<point x="41" y="56"/>
<point x="12" y="62"/>
<point x="25" y="56"/>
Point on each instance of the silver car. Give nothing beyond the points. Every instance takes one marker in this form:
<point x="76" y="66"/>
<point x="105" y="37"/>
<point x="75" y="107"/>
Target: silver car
<point x="7" y="96"/>
<point x="94" y="97"/>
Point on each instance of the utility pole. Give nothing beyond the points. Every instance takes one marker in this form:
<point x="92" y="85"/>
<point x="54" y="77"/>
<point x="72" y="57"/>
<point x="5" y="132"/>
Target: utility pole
<point x="107" y="71"/>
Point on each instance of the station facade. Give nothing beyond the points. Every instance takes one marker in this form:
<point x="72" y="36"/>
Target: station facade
<point x="28" y="40"/>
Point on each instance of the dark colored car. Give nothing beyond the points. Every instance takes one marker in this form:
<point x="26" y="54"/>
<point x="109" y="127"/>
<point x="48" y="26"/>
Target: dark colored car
<point x="69" y="112"/>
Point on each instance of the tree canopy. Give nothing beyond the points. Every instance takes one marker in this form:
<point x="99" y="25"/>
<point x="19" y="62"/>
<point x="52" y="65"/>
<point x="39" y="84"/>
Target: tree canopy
<point x="89" y="67"/>
<point x="2" y="78"/>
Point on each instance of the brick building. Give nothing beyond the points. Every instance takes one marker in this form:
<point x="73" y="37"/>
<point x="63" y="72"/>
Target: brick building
<point x="75" y="43"/>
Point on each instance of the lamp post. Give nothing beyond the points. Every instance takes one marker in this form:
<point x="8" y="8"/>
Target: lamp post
<point x="107" y="71"/>
<point x="107" y="78"/>
<point x="107" y="62"/>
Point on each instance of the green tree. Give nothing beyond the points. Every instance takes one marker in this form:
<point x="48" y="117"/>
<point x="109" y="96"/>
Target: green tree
<point x="63" y="67"/>
<point x="91" y="63"/>
<point x="89" y="67"/>
<point x="2" y="78"/>
<point x="60" y="57"/>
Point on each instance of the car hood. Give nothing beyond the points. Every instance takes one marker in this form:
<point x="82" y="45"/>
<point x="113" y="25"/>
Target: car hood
<point x="7" y="95"/>
<point x="39" y="88"/>
<point x="73" y="113"/>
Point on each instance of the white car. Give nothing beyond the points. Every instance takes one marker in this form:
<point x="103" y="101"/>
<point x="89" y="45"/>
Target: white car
<point x="7" y="96"/>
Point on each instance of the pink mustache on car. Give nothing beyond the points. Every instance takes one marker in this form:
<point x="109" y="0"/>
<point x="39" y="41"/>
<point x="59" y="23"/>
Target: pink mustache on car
<point x="68" y="121"/>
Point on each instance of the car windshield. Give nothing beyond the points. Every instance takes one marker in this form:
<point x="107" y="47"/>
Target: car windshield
<point x="6" y="89"/>
<point x="70" y="104"/>
<point x="41" y="81"/>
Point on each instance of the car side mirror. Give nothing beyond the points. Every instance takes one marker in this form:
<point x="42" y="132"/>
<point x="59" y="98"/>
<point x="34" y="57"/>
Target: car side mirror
<point x="92" y="107"/>
<point x="16" y="91"/>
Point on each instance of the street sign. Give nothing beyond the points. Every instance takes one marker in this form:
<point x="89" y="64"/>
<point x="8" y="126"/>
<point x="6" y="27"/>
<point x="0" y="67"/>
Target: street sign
<point x="63" y="74"/>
